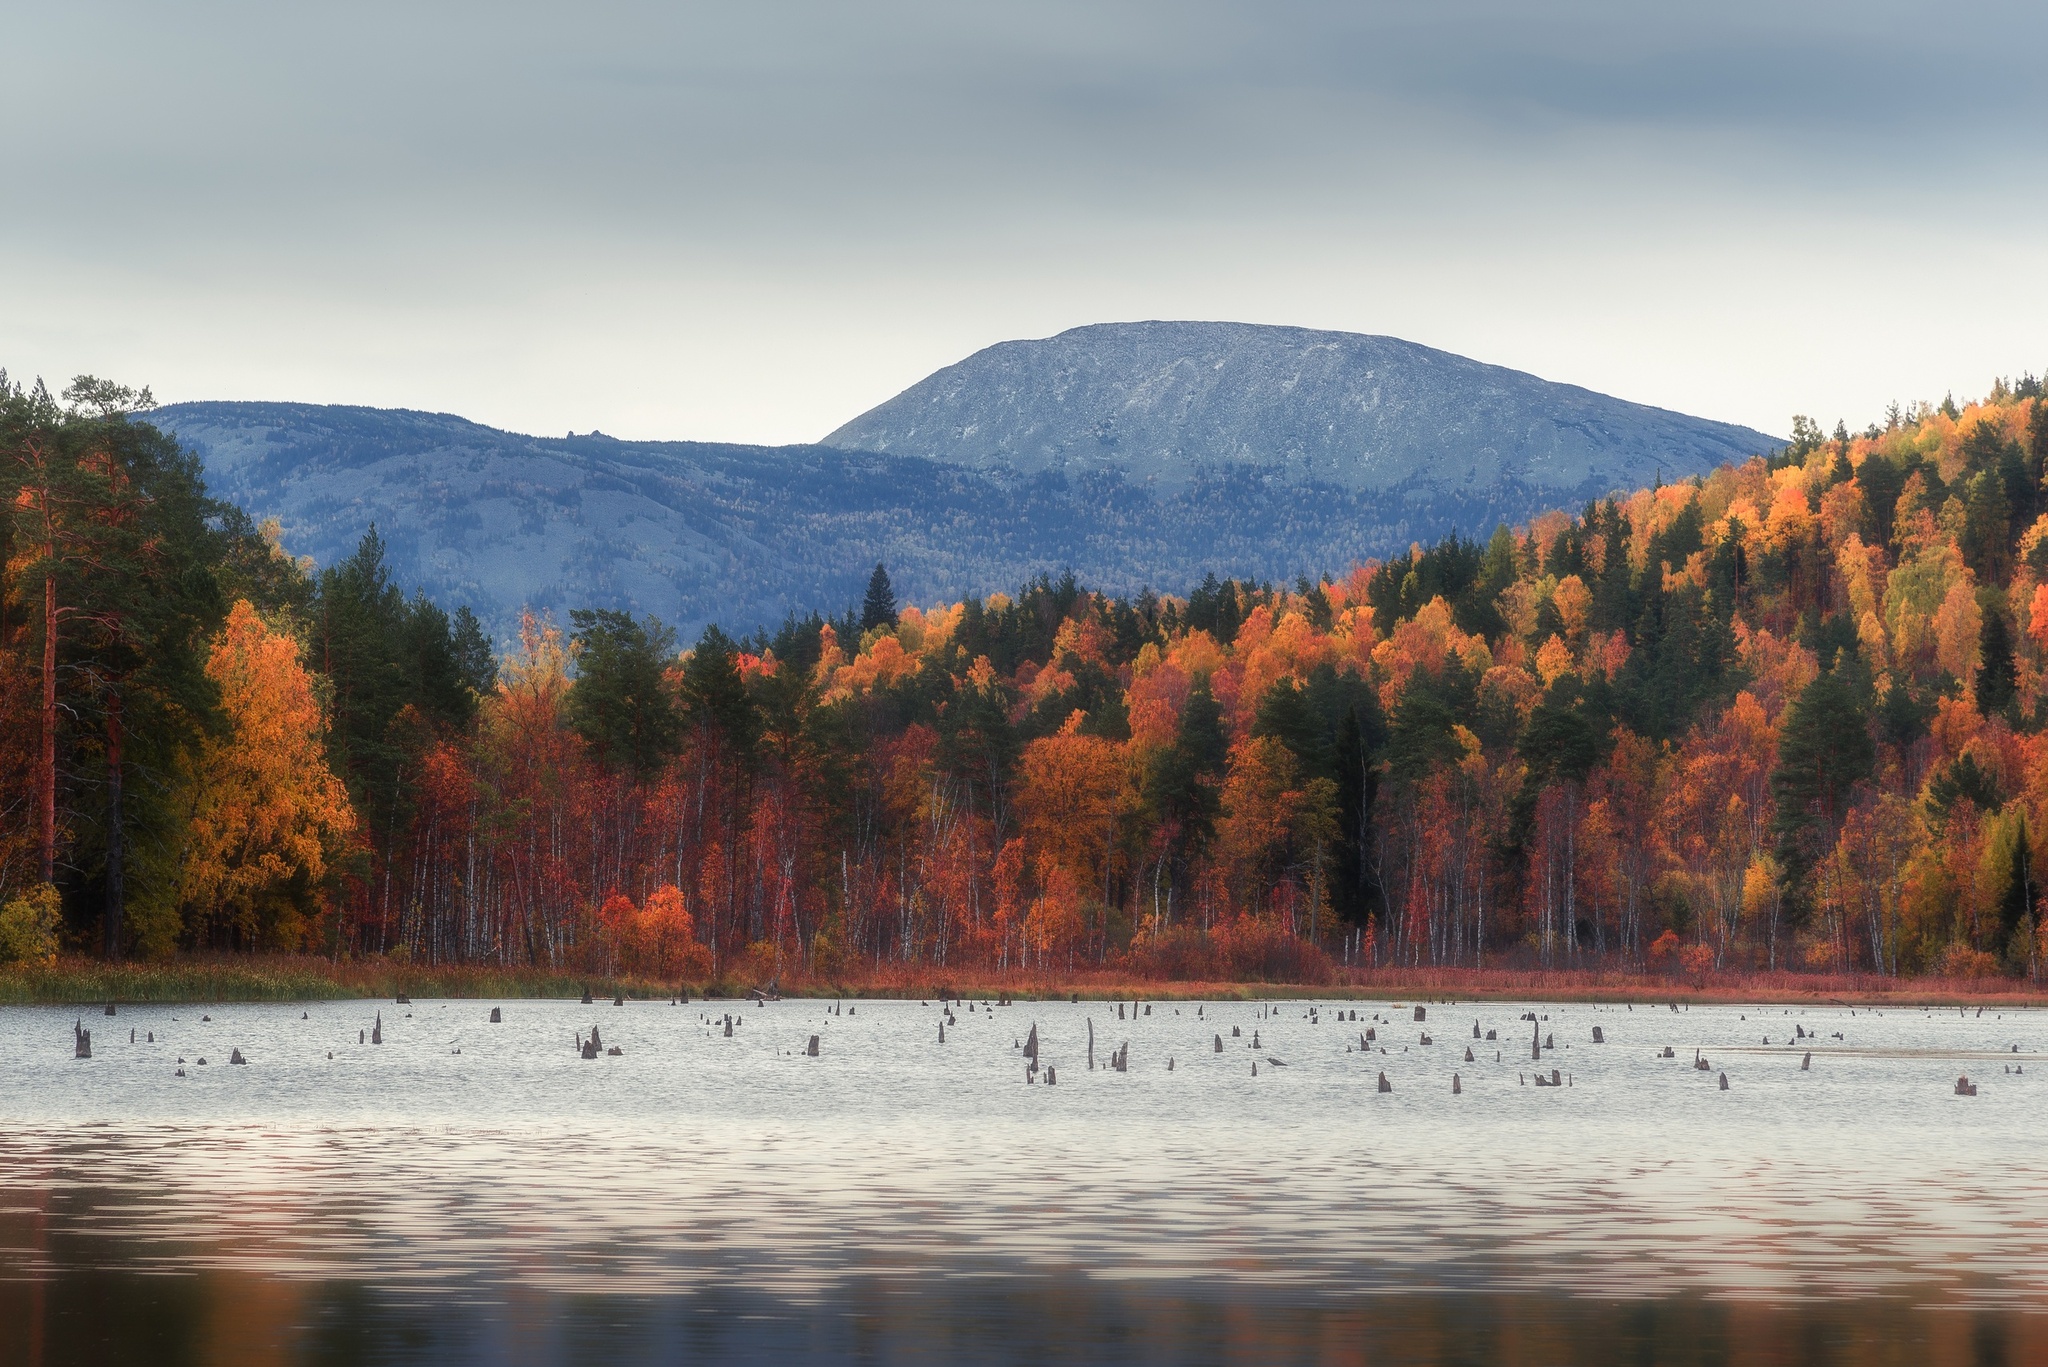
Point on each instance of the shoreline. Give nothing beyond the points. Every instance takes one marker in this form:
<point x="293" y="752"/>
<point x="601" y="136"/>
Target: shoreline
<point x="79" y="982"/>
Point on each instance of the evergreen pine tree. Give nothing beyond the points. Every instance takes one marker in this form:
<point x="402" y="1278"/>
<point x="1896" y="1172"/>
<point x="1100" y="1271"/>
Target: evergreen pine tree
<point x="1997" y="680"/>
<point x="878" y="609"/>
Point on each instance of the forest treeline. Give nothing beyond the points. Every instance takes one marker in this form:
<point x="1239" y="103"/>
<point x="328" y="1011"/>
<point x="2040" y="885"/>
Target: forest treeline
<point x="1787" y="715"/>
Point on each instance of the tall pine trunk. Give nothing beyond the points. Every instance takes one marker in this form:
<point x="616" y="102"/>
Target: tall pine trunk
<point x="116" y="888"/>
<point x="46" y="768"/>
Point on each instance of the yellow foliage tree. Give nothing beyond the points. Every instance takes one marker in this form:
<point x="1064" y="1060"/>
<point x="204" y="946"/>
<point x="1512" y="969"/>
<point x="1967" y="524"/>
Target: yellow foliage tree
<point x="267" y="812"/>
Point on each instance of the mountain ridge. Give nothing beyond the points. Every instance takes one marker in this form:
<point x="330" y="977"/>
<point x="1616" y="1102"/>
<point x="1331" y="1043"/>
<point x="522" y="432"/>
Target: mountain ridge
<point x="1161" y="399"/>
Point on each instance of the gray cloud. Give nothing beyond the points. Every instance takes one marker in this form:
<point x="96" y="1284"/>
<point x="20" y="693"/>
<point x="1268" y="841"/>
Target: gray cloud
<point x="455" y="199"/>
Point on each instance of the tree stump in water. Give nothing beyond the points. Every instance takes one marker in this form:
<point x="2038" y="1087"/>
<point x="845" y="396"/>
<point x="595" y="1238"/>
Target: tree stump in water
<point x="1806" y="1064"/>
<point x="497" y="1016"/>
<point x="1052" y="1076"/>
<point x="1468" y="1055"/>
<point x="1457" y="1088"/>
<point x="1219" y="1044"/>
<point x="1724" y="1082"/>
<point x="81" y="1042"/>
<point x="586" y="996"/>
<point x="1964" y="1087"/>
<point x="110" y="1008"/>
<point x="1598" y="1037"/>
<point x="1385" y="1086"/>
<point x="1475" y="1029"/>
<point x="235" y="1057"/>
<point x="811" y="1049"/>
<point x="1031" y="1043"/>
<point x="377" y="1030"/>
<point x="1421" y="1014"/>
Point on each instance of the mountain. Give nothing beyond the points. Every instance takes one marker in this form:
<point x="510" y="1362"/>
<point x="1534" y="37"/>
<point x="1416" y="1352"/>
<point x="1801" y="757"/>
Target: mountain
<point x="1161" y="402"/>
<point x="697" y="532"/>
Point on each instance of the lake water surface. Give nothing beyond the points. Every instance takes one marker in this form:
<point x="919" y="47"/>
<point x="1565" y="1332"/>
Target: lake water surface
<point x="469" y="1192"/>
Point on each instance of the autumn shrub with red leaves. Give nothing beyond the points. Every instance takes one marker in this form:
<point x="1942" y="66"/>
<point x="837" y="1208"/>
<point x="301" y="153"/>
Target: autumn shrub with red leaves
<point x="1254" y="948"/>
<point x="1176" y="954"/>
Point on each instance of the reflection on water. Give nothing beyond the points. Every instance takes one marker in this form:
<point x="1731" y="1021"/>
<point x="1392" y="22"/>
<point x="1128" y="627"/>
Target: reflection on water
<point x="478" y="1192"/>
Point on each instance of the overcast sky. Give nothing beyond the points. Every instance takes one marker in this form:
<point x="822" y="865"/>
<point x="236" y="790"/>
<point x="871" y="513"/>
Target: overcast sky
<point x="752" y="220"/>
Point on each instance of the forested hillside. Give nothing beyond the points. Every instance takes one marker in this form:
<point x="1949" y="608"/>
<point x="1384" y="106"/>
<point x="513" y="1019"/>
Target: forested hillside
<point x="1788" y="714"/>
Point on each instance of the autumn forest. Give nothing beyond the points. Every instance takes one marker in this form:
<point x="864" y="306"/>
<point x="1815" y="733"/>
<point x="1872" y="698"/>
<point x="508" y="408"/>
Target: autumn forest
<point x="1789" y="716"/>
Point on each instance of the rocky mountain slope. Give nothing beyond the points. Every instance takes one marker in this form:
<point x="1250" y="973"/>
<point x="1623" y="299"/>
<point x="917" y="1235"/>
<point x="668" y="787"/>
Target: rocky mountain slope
<point x="1161" y="402"/>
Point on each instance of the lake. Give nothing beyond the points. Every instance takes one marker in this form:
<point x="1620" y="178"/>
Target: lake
<point x="475" y="1192"/>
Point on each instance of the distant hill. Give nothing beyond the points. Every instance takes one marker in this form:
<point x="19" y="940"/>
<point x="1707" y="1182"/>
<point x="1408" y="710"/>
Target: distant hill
<point x="697" y="532"/>
<point x="1162" y="402"/>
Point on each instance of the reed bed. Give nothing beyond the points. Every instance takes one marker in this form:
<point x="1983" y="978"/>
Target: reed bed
<point x="255" y="978"/>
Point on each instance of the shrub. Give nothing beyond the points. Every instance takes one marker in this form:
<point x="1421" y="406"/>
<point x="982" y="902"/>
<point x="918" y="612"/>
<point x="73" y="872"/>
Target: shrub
<point x="1961" y="961"/>
<point x="1178" y="954"/>
<point x="1259" y="949"/>
<point x="28" y="927"/>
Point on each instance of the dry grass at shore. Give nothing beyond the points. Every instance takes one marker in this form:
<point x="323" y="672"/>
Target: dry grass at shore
<point x="79" y="981"/>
